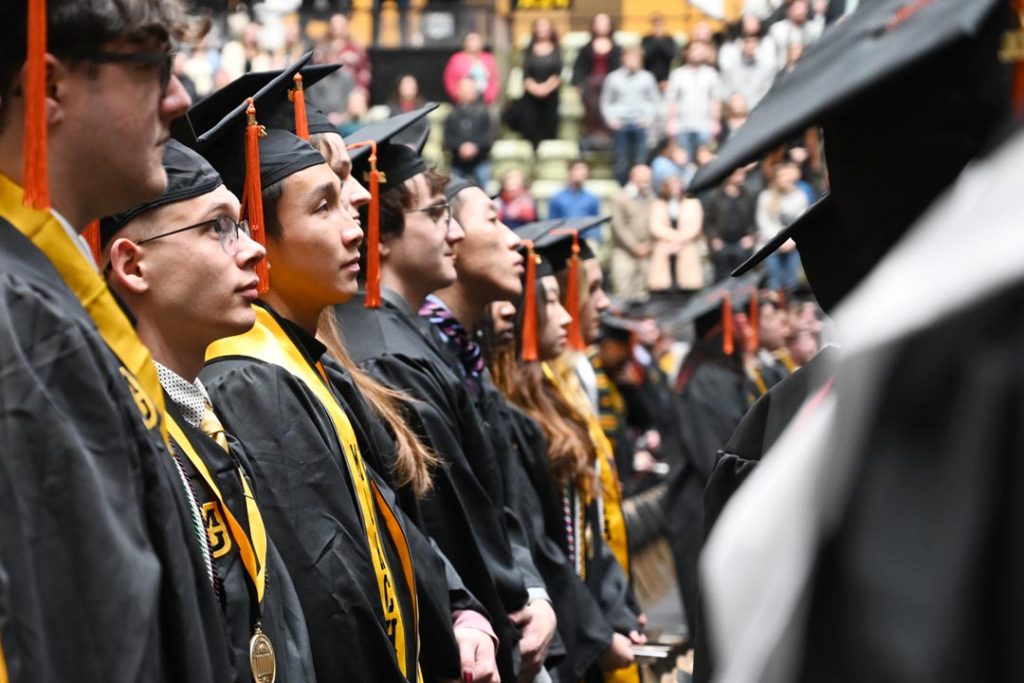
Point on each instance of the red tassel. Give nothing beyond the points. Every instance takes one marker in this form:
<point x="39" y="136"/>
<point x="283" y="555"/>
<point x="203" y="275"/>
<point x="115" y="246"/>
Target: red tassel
<point x="298" y="97"/>
<point x="252" y="194"/>
<point x="91" y="234"/>
<point x="755" y="321"/>
<point x="528" y="352"/>
<point x="35" y="181"/>
<point x="372" y="299"/>
<point x="572" y="295"/>
<point x="728" y="344"/>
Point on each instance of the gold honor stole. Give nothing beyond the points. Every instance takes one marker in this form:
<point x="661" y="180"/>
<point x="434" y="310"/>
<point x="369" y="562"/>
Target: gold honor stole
<point x="268" y="342"/>
<point x="47" y="234"/>
<point x="252" y="550"/>
<point x="613" y="522"/>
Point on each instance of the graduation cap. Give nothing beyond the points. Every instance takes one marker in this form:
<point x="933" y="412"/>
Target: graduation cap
<point x="247" y="155"/>
<point x="919" y="80"/>
<point x="618" y="329"/>
<point x="382" y="132"/>
<point x="455" y="186"/>
<point x="711" y="309"/>
<point x="286" y="106"/>
<point x="188" y="175"/>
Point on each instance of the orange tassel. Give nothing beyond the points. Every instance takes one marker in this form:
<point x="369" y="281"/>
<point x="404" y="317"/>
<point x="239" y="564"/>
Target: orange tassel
<point x="298" y="97"/>
<point x="728" y="344"/>
<point x="755" y="321"/>
<point x="782" y="298"/>
<point x="252" y="194"/>
<point x="374" y="180"/>
<point x="572" y="295"/>
<point x="91" y="234"/>
<point x="528" y="352"/>
<point x="35" y="181"/>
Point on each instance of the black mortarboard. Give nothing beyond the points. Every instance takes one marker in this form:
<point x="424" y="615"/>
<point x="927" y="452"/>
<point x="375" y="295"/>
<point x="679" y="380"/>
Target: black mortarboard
<point x="617" y="328"/>
<point x="381" y="132"/>
<point x="713" y="307"/>
<point x="188" y="175"/>
<point x="907" y="93"/>
<point x="277" y="108"/>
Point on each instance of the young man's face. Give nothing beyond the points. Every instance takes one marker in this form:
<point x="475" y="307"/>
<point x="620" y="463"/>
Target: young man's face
<point x="424" y="253"/>
<point x="114" y="119"/>
<point x="487" y="258"/>
<point x="201" y="282"/>
<point x="315" y="259"/>
<point x="578" y="173"/>
<point x="594" y="303"/>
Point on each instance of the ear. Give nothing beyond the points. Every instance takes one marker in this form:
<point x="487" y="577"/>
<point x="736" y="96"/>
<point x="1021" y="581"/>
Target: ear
<point x="385" y="246"/>
<point x="127" y="271"/>
<point x="57" y="79"/>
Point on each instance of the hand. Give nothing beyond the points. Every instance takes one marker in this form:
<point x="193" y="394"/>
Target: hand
<point x="643" y="250"/>
<point x="716" y="129"/>
<point x="643" y="461"/>
<point x="637" y="638"/>
<point x="787" y="246"/>
<point x="468" y="150"/>
<point x="747" y="242"/>
<point x="619" y="654"/>
<point x="476" y="655"/>
<point x="614" y="124"/>
<point x="717" y="244"/>
<point x="671" y="128"/>
<point x="537" y="622"/>
<point x="653" y="437"/>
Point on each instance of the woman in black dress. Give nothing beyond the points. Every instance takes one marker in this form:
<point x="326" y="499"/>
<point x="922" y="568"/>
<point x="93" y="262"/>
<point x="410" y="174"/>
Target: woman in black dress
<point x="542" y="69"/>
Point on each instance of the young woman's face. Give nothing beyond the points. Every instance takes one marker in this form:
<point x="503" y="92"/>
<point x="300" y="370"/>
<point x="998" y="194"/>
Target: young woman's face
<point x="553" y="332"/>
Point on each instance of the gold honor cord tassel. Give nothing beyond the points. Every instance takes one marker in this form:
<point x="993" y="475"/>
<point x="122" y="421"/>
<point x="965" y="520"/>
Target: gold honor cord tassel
<point x="268" y="342"/>
<point x="262" y="661"/>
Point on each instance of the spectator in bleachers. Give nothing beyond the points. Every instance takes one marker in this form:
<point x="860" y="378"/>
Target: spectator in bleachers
<point x="749" y="26"/>
<point x="599" y="57"/>
<point x="403" y="20"/>
<point x="293" y="45"/>
<point x="763" y="9"/>
<point x="629" y="99"/>
<point x="632" y="239"/>
<point x="704" y="34"/>
<point x="469" y="134"/>
<point x="669" y="159"/>
<point x="405" y="99"/>
<point x="778" y="205"/>
<point x="356" y="107"/>
<point x="514" y="203"/>
<point x="797" y="27"/>
<point x="200" y="66"/>
<point x="660" y="50"/>
<point x="693" y="101"/>
<point x="245" y="54"/>
<point x="677" y="225"/>
<point x="340" y="46"/>
<point x="729" y="224"/>
<point x="575" y="201"/>
<point x="474" y="62"/>
<point x="542" y="77"/>
<point x="734" y="115"/>
<point x="793" y="55"/>
<point x="752" y="74"/>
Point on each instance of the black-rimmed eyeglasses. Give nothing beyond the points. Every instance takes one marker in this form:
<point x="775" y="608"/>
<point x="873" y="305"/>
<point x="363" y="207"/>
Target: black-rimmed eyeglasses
<point x="163" y="59"/>
<point x="436" y="212"/>
<point x="226" y="228"/>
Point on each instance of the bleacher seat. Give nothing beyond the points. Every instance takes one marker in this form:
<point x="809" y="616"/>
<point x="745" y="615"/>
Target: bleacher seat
<point x="553" y="157"/>
<point x="514" y="84"/>
<point x="377" y="113"/>
<point x="605" y="190"/>
<point x="509" y="154"/>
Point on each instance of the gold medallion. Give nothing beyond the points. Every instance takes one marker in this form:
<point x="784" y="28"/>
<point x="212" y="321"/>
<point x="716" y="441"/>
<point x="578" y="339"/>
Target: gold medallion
<point x="261" y="658"/>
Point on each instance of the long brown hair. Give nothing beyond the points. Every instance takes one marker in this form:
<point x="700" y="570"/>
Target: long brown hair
<point x="569" y="448"/>
<point x="414" y="462"/>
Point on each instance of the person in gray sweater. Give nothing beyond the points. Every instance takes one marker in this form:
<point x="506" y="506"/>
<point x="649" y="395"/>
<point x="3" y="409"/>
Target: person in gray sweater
<point x="629" y="102"/>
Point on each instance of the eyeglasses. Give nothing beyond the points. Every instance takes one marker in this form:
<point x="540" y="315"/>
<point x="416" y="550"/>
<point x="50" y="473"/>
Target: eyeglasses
<point x="226" y="228"/>
<point x="163" y="59"/>
<point x="436" y="212"/>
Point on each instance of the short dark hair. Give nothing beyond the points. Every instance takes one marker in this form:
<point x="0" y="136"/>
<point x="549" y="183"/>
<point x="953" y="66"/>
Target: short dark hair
<point x="395" y="201"/>
<point x="81" y="25"/>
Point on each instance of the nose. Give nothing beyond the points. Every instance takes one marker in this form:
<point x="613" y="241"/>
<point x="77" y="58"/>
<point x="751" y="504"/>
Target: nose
<point x="455" y="232"/>
<point x="250" y="252"/>
<point x="353" y="192"/>
<point x="176" y="101"/>
<point x="351" y="232"/>
<point x="563" y="317"/>
<point x="512" y="240"/>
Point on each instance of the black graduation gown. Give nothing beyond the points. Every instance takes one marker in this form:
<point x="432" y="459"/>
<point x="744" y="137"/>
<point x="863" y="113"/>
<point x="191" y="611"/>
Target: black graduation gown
<point x="923" y="580"/>
<point x="753" y="437"/>
<point x="712" y="402"/>
<point x="308" y="501"/>
<point x="105" y="579"/>
<point x="280" y="616"/>
<point x="462" y="513"/>
<point x="439" y="588"/>
<point x="583" y="628"/>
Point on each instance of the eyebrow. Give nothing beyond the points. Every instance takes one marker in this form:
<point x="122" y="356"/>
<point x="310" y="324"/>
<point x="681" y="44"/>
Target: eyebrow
<point x="327" y="189"/>
<point x="218" y="209"/>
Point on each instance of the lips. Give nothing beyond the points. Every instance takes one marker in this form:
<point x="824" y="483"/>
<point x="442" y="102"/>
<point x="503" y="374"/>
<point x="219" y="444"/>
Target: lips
<point x="251" y="290"/>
